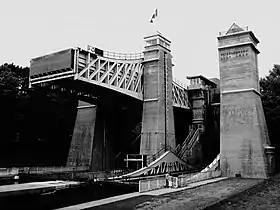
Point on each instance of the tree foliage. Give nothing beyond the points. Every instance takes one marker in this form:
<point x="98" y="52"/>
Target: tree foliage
<point x="13" y="78"/>
<point x="33" y="121"/>
<point x="270" y="90"/>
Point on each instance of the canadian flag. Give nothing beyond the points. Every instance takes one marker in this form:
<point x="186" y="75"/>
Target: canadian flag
<point x="154" y="16"/>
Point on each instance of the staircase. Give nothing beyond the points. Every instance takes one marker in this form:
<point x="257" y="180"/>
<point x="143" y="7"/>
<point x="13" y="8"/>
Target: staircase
<point x="160" y="152"/>
<point x="185" y="149"/>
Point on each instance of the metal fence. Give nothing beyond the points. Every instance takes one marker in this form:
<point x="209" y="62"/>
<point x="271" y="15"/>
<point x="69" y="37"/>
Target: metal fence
<point x="123" y="56"/>
<point x="179" y="83"/>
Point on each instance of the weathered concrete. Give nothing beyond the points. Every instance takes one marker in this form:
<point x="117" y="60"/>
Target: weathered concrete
<point x="80" y="151"/>
<point x="157" y="60"/>
<point x="243" y="127"/>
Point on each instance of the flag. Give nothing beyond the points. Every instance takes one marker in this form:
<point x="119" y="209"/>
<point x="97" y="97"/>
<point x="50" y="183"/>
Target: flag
<point x="154" y="16"/>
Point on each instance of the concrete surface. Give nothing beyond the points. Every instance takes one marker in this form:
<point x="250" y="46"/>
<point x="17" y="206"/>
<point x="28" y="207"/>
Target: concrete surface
<point x="136" y="194"/>
<point x="243" y="132"/>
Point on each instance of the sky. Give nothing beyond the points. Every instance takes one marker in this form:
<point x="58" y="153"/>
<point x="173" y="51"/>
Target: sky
<point x="33" y="28"/>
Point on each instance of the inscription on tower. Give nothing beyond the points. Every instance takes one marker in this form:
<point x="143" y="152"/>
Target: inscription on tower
<point x="231" y="54"/>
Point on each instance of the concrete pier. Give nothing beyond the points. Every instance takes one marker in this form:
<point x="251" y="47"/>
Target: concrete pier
<point x="158" y="117"/>
<point x="243" y="127"/>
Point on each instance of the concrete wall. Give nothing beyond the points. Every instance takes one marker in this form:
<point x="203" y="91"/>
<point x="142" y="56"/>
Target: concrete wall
<point x="238" y="68"/>
<point x="243" y="135"/>
<point x="80" y="151"/>
<point x="152" y="184"/>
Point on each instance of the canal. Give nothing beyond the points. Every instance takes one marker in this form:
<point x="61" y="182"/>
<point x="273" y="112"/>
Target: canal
<point x="86" y="192"/>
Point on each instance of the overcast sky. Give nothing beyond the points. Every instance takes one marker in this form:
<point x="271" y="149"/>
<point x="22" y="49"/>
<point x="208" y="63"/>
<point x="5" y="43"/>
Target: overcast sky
<point x="32" y="28"/>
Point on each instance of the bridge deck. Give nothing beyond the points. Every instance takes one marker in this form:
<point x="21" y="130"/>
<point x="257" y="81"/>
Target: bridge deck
<point x="121" y="75"/>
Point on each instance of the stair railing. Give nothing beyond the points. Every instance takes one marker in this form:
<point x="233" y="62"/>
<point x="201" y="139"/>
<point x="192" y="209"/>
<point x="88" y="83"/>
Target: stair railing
<point x="188" y="143"/>
<point x="192" y="141"/>
<point x="160" y="152"/>
<point x="182" y="147"/>
<point x="156" y="155"/>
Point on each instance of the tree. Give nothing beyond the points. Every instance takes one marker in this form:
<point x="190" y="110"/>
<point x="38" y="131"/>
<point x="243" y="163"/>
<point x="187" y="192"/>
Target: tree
<point x="13" y="78"/>
<point x="13" y="83"/>
<point x="270" y="90"/>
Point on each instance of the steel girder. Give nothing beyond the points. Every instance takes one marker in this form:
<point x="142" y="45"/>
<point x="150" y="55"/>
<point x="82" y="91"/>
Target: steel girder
<point x="180" y="96"/>
<point x="119" y="75"/>
<point x="122" y="75"/>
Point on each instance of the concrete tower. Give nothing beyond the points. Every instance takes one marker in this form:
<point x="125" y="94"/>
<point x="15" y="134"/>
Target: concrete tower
<point x="243" y="128"/>
<point x="158" y="119"/>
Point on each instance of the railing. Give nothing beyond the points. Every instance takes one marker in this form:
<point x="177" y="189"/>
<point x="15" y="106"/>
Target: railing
<point x="123" y="56"/>
<point x="155" y="156"/>
<point x="115" y="55"/>
<point x="193" y="140"/>
<point x="181" y="146"/>
<point x="160" y="152"/>
<point x="188" y="143"/>
<point x="179" y="83"/>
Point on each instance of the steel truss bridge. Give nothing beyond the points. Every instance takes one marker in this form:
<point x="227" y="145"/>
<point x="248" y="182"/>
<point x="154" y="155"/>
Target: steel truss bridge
<point x="115" y="71"/>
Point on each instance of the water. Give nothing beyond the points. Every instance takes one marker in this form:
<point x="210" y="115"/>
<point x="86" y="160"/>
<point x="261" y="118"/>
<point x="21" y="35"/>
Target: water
<point x="23" y="179"/>
<point x="86" y="192"/>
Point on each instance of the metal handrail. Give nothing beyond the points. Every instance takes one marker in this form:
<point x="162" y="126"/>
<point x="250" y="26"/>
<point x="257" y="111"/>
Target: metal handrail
<point x="181" y="147"/>
<point x="188" y="143"/>
<point x="188" y="138"/>
<point x="123" y="56"/>
<point x="171" y="149"/>
<point x="156" y="155"/>
<point x="116" y="55"/>
<point x="193" y="140"/>
<point x="179" y="83"/>
<point x="160" y="152"/>
<point x="177" y="149"/>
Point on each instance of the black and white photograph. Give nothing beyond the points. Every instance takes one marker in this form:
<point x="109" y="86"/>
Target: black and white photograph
<point x="122" y="105"/>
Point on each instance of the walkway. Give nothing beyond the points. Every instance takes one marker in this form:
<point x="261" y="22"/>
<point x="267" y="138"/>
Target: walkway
<point x="263" y="196"/>
<point x="137" y="194"/>
<point x="194" y="196"/>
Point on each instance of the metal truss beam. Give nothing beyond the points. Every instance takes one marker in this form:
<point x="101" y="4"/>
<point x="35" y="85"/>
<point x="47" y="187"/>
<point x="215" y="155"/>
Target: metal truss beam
<point x="120" y="75"/>
<point x="115" y="73"/>
<point x="180" y="96"/>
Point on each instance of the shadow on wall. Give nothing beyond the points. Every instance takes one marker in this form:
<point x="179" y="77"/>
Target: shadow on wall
<point x="211" y="137"/>
<point x="182" y="121"/>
